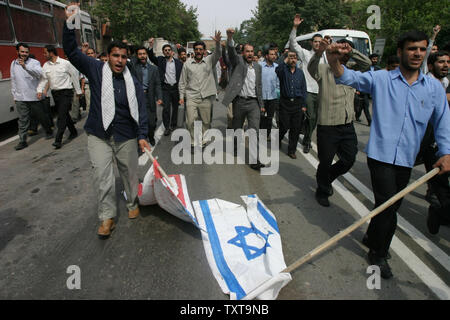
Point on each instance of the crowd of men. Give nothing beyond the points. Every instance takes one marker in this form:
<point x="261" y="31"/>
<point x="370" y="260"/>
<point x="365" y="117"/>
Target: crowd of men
<point x="324" y="89"/>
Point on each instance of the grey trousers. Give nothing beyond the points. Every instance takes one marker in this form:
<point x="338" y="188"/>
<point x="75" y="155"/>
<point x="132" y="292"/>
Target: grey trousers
<point x="102" y="154"/>
<point x="26" y="110"/>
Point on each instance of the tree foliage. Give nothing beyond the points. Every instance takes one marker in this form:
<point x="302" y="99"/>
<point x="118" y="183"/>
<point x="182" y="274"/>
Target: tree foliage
<point x="137" y="20"/>
<point x="272" y="20"/>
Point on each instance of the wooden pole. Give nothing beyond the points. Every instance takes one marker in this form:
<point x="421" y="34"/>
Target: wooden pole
<point x="351" y="228"/>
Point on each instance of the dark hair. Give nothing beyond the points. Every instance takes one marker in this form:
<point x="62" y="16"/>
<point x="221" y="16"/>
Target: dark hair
<point x="292" y="51"/>
<point x="199" y="43"/>
<point x="166" y="45"/>
<point x="140" y="48"/>
<point x="393" y="59"/>
<point x="346" y="41"/>
<point x="315" y="36"/>
<point x="51" y="49"/>
<point x="434" y="56"/>
<point x="181" y="50"/>
<point x="21" y="44"/>
<point x="373" y="55"/>
<point x="266" y="52"/>
<point x="117" y="44"/>
<point x="103" y="54"/>
<point x="247" y="44"/>
<point x="238" y="48"/>
<point x="412" y="36"/>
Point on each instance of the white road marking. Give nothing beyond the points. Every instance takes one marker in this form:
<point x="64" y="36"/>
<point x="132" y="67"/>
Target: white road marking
<point x="9" y="140"/>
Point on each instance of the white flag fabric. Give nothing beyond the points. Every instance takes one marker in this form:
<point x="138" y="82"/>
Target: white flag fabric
<point x="243" y="247"/>
<point x="172" y="197"/>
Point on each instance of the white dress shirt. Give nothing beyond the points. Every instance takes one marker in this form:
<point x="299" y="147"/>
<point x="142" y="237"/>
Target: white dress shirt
<point x="60" y="75"/>
<point x="171" y="75"/>
<point x="249" y="87"/>
<point x="24" y="81"/>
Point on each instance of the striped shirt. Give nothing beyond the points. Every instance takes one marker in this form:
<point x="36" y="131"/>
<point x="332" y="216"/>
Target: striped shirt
<point x="336" y="106"/>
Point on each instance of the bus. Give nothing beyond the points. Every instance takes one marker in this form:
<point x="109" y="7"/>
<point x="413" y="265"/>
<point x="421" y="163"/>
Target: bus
<point x="36" y="23"/>
<point x="359" y="38"/>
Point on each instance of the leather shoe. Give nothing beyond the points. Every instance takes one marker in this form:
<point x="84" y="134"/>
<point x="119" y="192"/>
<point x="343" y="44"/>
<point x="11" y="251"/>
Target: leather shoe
<point x="166" y="132"/>
<point x="385" y="269"/>
<point x="322" y="199"/>
<point x="306" y="148"/>
<point x="292" y="155"/>
<point x="433" y="221"/>
<point x="257" y="166"/>
<point x="133" y="214"/>
<point x="21" y="145"/>
<point x="152" y="141"/>
<point x="106" y="227"/>
<point x="57" y="145"/>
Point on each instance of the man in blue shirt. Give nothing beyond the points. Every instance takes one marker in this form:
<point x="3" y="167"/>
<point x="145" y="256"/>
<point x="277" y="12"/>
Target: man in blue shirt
<point x="404" y="101"/>
<point x="292" y="100"/>
<point x="270" y="86"/>
<point x="116" y="124"/>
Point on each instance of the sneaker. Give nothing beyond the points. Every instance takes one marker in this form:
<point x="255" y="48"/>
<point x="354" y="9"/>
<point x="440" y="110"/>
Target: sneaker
<point x="21" y="145"/>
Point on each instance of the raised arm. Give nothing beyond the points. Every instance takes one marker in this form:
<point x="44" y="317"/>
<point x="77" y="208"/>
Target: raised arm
<point x="293" y="44"/>
<point x="313" y="65"/>
<point x="232" y="54"/>
<point x="218" y="52"/>
<point x="150" y="52"/>
<point x="86" y="65"/>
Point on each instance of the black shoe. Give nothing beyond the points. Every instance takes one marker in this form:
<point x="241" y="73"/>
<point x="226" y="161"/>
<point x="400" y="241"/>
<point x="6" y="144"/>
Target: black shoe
<point x="166" y="132"/>
<point x="73" y="136"/>
<point x="433" y="221"/>
<point x="32" y="132"/>
<point x="365" y="241"/>
<point x="322" y="199"/>
<point x="152" y="141"/>
<point x="57" y="145"/>
<point x="306" y="148"/>
<point x="385" y="269"/>
<point x="257" y="166"/>
<point x="49" y="135"/>
<point x="292" y="155"/>
<point x="21" y="145"/>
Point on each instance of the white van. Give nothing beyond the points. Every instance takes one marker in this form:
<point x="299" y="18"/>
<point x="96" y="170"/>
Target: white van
<point x="359" y="38"/>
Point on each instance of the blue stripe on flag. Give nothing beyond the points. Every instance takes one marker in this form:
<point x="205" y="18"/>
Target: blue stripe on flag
<point x="266" y="215"/>
<point x="222" y="265"/>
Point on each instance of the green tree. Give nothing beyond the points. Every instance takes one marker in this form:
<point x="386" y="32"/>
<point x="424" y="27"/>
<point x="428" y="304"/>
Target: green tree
<point x="137" y="20"/>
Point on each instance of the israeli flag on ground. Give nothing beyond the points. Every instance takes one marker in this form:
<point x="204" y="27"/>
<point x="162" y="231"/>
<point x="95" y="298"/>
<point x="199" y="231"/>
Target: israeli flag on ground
<point x="243" y="247"/>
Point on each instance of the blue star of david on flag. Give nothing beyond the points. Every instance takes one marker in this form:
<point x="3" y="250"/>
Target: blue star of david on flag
<point x="251" y="252"/>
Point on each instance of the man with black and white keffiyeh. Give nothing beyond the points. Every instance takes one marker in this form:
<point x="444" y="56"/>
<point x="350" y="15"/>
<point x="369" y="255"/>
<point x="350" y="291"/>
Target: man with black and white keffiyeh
<point x="116" y="124"/>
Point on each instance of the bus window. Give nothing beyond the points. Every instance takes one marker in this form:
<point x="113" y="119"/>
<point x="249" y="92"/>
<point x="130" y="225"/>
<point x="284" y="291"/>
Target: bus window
<point x="32" y="27"/>
<point x="16" y="2"/>
<point x="31" y="4"/>
<point x="89" y="38"/>
<point x="60" y="18"/>
<point x="5" y="27"/>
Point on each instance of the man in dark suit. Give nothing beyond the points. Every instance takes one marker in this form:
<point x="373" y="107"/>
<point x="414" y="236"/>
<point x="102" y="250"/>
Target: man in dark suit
<point x="148" y="75"/>
<point x="169" y="74"/>
<point x="244" y="89"/>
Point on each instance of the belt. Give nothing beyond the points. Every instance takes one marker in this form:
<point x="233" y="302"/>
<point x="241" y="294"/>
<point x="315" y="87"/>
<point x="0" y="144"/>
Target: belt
<point x="170" y="85"/>
<point x="290" y="99"/>
<point x="247" y="98"/>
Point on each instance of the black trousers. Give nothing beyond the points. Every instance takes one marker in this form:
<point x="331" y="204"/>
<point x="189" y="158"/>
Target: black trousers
<point x="151" y="111"/>
<point x="291" y="118"/>
<point x="337" y="140"/>
<point x="387" y="180"/>
<point x="63" y="102"/>
<point x="266" y="120"/>
<point x="439" y="184"/>
<point x="171" y="97"/>
<point x="362" y="103"/>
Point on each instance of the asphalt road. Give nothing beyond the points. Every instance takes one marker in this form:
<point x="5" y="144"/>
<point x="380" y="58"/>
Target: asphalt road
<point x="48" y="222"/>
